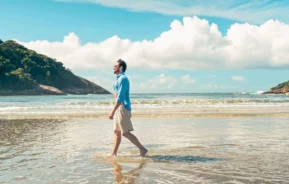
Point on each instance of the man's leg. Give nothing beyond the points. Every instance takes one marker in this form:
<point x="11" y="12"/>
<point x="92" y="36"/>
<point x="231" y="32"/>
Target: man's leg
<point x="117" y="140"/>
<point x="135" y="141"/>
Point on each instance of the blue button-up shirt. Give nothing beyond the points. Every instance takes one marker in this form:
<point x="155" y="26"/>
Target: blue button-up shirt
<point x="121" y="88"/>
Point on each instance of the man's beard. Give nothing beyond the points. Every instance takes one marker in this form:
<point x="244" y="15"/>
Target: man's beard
<point x="116" y="71"/>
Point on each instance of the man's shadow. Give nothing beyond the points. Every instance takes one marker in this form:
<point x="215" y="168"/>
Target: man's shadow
<point x="126" y="177"/>
<point x="183" y="158"/>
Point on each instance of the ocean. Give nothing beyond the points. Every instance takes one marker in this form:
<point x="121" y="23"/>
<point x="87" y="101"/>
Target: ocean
<point x="151" y="105"/>
<point x="191" y="138"/>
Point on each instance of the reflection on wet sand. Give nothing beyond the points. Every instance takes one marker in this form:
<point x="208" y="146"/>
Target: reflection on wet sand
<point x="197" y="150"/>
<point x="127" y="177"/>
<point x="23" y="135"/>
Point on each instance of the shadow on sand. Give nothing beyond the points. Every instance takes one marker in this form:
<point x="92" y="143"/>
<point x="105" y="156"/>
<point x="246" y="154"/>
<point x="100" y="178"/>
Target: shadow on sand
<point x="185" y="158"/>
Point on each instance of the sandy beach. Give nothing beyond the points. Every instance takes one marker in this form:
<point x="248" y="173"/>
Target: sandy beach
<point x="181" y="150"/>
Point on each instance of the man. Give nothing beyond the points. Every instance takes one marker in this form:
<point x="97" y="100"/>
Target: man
<point x="121" y="112"/>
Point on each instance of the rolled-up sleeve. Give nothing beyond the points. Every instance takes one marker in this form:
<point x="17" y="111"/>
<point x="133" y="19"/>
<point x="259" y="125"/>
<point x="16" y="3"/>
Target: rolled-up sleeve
<point x="121" y="91"/>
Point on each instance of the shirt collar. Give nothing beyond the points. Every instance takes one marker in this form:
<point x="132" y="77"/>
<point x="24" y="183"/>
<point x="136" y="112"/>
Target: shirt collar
<point x="122" y="73"/>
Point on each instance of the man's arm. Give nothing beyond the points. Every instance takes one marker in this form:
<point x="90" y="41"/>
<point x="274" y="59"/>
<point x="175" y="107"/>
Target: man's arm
<point x="118" y="98"/>
<point x="114" y="109"/>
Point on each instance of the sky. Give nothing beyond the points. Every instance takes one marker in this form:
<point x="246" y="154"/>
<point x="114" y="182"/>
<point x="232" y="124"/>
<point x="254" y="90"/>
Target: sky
<point x="171" y="46"/>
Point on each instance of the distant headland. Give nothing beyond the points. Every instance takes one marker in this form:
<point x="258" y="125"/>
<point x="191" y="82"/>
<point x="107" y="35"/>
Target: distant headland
<point x="282" y="88"/>
<point x="25" y="72"/>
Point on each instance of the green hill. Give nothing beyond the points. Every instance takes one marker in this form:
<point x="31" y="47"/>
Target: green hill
<point x="282" y="88"/>
<point x="25" y="72"/>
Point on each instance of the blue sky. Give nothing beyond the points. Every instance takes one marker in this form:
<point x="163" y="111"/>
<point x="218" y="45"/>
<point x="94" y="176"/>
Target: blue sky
<point x="112" y="25"/>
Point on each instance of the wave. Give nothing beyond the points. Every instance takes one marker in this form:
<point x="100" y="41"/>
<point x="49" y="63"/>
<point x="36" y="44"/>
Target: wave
<point x="210" y="101"/>
<point x="182" y="101"/>
<point x="183" y="105"/>
<point x="258" y="93"/>
<point x="151" y="113"/>
<point x="157" y="104"/>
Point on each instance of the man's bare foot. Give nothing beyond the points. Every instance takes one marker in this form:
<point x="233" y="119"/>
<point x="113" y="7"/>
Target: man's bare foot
<point x="113" y="155"/>
<point x="143" y="152"/>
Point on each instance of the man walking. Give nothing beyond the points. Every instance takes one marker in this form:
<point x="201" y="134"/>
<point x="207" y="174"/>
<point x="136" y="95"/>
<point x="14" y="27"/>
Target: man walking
<point x="121" y="112"/>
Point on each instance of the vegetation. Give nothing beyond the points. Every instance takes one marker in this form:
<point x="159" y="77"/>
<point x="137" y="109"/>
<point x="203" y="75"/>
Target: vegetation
<point x="24" y="69"/>
<point x="282" y="88"/>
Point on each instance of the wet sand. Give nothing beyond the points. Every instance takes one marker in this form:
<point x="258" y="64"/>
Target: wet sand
<point x="181" y="150"/>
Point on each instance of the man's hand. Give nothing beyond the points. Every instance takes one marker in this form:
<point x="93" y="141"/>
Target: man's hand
<point x="114" y="109"/>
<point x="111" y="115"/>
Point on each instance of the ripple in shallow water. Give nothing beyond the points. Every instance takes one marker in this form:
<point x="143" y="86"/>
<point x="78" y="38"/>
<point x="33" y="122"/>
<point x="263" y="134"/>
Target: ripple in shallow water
<point x="192" y="150"/>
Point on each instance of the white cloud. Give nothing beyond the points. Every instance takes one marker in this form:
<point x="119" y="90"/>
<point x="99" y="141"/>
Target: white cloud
<point x="170" y="86"/>
<point x="253" y="11"/>
<point x="163" y="79"/>
<point x="166" y="83"/>
<point x="159" y="83"/>
<point x="187" y="79"/>
<point x="193" y="44"/>
<point x="238" y="78"/>
<point x="214" y="86"/>
<point x="102" y="81"/>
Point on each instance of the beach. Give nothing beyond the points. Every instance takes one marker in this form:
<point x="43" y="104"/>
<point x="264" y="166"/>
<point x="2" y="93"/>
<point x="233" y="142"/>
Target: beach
<point x="202" y="85"/>
<point x="248" y="143"/>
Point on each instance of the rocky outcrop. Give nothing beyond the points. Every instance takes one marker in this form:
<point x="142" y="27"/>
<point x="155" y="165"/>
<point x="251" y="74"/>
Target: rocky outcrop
<point x="39" y="90"/>
<point x="282" y="88"/>
<point x="49" y="90"/>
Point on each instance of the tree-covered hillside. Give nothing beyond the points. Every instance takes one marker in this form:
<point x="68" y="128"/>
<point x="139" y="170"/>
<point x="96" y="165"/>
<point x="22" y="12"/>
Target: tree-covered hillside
<point x="24" y="69"/>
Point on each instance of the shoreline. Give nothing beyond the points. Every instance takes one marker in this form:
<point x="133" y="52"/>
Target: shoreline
<point x="146" y="112"/>
<point x="137" y="115"/>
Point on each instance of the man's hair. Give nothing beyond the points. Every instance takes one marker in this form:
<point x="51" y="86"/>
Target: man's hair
<point x="123" y="64"/>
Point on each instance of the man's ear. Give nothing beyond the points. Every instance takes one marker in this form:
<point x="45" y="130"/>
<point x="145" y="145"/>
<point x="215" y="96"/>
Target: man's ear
<point x="120" y="68"/>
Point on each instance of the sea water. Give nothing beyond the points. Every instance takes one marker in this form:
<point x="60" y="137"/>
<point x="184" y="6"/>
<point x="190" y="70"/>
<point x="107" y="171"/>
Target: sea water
<point x="189" y="104"/>
<point x="209" y="138"/>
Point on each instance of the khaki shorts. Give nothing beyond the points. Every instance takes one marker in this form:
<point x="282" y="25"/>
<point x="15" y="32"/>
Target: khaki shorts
<point x="122" y="120"/>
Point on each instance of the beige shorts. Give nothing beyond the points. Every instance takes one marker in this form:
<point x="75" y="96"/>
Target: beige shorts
<point x="122" y="120"/>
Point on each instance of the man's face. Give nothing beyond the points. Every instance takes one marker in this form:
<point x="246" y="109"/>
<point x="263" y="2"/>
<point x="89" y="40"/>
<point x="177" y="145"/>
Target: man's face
<point x="116" y="68"/>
